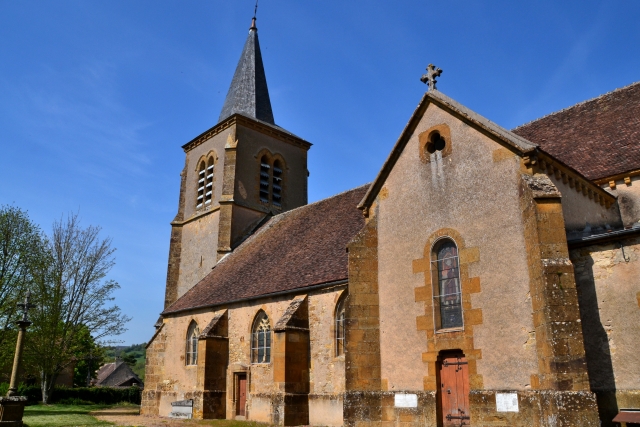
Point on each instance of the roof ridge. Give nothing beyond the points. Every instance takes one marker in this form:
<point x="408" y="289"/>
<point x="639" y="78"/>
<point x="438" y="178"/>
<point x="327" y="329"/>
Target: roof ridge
<point x="576" y="105"/>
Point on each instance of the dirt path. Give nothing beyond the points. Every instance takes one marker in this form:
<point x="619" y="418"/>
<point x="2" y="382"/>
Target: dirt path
<point x="129" y="416"/>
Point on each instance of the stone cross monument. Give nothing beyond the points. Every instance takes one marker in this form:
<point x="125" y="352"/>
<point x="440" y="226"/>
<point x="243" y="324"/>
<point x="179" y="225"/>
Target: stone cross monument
<point x="22" y="324"/>
<point x="430" y="77"/>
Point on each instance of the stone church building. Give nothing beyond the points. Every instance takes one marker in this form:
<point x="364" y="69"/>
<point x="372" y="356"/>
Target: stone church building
<point x="486" y="277"/>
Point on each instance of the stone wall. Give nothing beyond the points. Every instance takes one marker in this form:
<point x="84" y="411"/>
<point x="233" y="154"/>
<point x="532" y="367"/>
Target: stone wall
<point x="627" y="189"/>
<point x="268" y="397"/>
<point x="579" y="209"/>
<point x="472" y="196"/>
<point x="521" y="326"/>
<point x="608" y="282"/>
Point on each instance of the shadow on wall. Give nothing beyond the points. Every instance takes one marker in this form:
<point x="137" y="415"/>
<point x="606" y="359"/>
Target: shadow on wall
<point x="596" y="343"/>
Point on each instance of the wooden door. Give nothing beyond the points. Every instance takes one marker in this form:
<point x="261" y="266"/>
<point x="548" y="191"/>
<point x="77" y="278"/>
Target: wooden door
<point x="241" y="395"/>
<point x="454" y="390"/>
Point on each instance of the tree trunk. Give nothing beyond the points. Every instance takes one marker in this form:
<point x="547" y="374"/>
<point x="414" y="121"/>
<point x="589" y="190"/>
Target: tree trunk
<point x="47" y="382"/>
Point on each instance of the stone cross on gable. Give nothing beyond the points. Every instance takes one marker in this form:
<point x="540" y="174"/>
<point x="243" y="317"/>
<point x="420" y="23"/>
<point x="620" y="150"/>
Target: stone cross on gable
<point x="430" y="77"/>
<point x="25" y="306"/>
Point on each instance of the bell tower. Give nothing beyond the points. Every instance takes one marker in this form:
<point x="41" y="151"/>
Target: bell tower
<point x="236" y="174"/>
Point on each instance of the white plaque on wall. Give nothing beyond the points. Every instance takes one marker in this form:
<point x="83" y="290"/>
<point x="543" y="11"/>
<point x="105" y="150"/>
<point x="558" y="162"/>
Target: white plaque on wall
<point x="403" y="400"/>
<point x="507" y="402"/>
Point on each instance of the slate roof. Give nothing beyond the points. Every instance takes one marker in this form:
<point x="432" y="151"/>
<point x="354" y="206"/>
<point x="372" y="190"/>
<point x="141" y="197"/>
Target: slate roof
<point x="599" y="138"/>
<point x="115" y="374"/>
<point x="294" y="250"/>
<point x="248" y="93"/>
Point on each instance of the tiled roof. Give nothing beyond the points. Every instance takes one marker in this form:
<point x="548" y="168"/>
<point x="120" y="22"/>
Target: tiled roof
<point x="115" y="374"/>
<point x="599" y="138"/>
<point x="296" y="249"/>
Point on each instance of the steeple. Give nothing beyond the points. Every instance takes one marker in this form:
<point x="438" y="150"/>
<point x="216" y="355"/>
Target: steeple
<point x="248" y="94"/>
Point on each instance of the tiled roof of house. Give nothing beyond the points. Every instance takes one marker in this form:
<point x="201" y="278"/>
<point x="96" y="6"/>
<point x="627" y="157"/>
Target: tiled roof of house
<point x="294" y="250"/>
<point x="599" y="138"/>
<point x="115" y="374"/>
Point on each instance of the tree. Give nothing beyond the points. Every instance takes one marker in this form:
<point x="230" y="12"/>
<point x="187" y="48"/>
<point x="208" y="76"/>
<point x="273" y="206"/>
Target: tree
<point x="72" y="297"/>
<point x="22" y="252"/>
<point x="129" y="359"/>
<point x="88" y="358"/>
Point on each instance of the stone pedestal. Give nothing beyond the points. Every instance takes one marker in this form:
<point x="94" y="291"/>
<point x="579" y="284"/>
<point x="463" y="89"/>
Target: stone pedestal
<point x="11" y="410"/>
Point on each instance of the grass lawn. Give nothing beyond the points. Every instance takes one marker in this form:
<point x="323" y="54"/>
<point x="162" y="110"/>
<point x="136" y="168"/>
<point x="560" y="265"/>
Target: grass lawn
<point x="62" y="415"/>
<point x="59" y="415"/>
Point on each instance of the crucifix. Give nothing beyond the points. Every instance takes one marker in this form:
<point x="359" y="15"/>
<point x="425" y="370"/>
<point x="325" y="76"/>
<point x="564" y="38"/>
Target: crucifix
<point x="430" y="77"/>
<point x="22" y="324"/>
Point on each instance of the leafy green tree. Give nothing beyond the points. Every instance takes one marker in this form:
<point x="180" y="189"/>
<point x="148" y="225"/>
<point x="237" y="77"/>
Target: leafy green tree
<point x="72" y="298"/>
<point x="129" y="359"/>
<point x="22" y="253"/>
<point x="89" y="357"/>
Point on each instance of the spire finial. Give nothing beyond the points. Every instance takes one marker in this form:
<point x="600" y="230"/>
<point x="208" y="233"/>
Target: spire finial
<point x="430" y="77"/>
<point x="253" y="20"/>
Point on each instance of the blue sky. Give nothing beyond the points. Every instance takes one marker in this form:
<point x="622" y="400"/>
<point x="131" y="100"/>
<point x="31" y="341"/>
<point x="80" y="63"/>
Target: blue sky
<point x="96" y="98"/>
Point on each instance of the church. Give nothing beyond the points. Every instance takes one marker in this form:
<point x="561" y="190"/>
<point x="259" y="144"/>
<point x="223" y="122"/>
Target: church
<point x="486" y="277"/>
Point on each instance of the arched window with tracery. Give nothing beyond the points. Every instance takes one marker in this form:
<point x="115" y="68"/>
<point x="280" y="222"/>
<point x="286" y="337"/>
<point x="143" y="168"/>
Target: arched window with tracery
<point x="192" y="344"/>
<point x="205" y="182"/>
<point x="447" y="293"/>
<point x="340" y="326"/>
<point x="261" y="339"/>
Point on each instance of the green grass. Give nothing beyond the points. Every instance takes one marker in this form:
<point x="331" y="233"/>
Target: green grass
<point x="62" y="415"/>
<point x="59" y="415"/>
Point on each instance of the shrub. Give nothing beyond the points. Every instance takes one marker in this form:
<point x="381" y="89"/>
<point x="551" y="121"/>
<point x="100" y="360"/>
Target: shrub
<point x="88" y="395"/>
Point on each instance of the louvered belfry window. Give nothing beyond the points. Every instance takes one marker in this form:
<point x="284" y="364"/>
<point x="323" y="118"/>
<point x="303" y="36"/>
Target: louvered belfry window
<point x="205" y="182"/>
<point x="277" y="183"/>
<point x="208" y="189"/>
<point x="261" y="339"/>
<point x="192" y="344"/>
<point x="271" y="180"/>
<point x="447" y="292"/>
<point x="264" y="179"/>
<point x="201" y="185"/>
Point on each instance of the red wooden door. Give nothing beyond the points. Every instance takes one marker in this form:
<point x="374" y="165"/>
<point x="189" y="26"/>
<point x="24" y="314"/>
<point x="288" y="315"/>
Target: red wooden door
<point x="454" y="391"/>
<point x="241" y="398"/>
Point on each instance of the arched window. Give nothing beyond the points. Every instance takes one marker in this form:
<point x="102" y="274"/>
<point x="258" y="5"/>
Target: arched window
<point x="339" y="326"/>
<point x="261" y="339"/>
<point x="446" y="284"/>
<point x="205" y="183"/>
<point x="277" y="183"/>
<point x="192" y="344"/>
<point x="264" y="179"/>
<point x="271" y="180"/>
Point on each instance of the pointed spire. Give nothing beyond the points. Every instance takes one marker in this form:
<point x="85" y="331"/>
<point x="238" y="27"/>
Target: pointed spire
<point x="248" y="93"/>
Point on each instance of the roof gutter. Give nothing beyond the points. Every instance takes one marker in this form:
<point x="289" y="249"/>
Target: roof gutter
<point x="271" y="295"/>
<point x="598" y="239"/>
